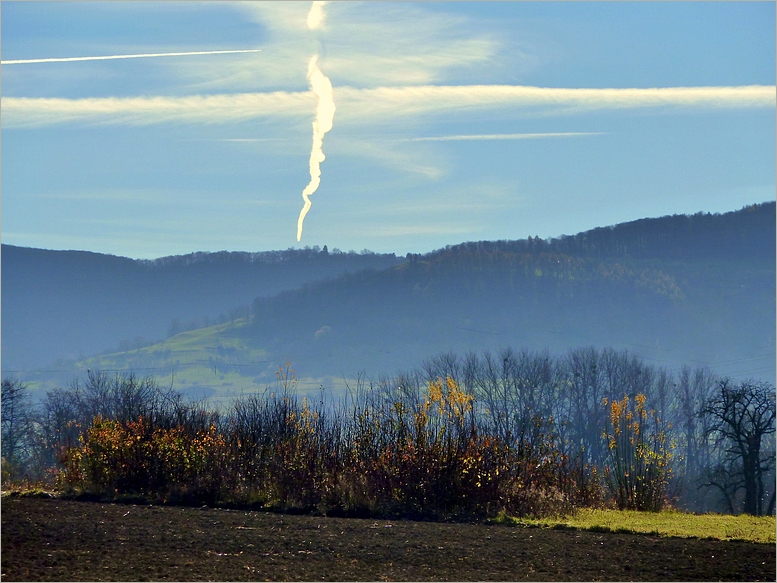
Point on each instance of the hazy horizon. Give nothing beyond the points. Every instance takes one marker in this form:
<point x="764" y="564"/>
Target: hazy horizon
<point x="337" y="249"/>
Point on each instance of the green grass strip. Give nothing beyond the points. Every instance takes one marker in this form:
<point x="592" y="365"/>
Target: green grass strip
<point x="667" y="523"/>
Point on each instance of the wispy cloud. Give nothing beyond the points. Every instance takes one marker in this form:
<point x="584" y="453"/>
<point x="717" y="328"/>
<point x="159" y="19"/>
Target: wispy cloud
<point x="372" y="105"/>
<point x="365" y="45"/>
<point x="369" y="44"/>
<point x="403" y="230"/>
<point x="244" y="140"/>
<point x="502" y="136"/>
<point x="386" y="154"/>
<point x="451" y="207"/>
<point x="470" y="200"/>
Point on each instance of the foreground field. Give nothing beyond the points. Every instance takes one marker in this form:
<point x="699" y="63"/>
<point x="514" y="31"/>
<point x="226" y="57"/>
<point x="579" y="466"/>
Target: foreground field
<point x="59" y="540"/>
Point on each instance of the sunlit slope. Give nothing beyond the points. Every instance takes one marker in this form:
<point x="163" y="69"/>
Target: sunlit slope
<point x="217" y="362"/>
<point x="760" y="529"/>
<point x="202" y="362"/>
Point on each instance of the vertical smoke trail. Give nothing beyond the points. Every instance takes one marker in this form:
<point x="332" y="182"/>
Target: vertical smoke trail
<point x="325" y="114"/>
<point x="316" y="15"/>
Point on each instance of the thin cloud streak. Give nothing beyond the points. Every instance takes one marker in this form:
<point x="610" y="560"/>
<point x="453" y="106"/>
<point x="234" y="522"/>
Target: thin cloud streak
<point x="402" y="159"/>
<point x="424" y="99"/>
<point x="137" y="56"/>
<point x="503" y="136"/>
<point x="409" y="230"/>
<point x="358" y="105"/>
<point x="249" y="140"/>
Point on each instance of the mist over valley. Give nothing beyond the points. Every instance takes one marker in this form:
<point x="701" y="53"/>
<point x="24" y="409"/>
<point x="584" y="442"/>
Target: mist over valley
<point x="677" y="290"/>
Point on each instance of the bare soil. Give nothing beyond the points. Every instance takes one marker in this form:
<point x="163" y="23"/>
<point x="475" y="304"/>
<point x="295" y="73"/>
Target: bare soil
<point x="60" y="540"/>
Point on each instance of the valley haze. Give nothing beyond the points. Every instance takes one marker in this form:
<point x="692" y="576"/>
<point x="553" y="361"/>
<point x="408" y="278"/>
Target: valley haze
<point x="694" y="290"/>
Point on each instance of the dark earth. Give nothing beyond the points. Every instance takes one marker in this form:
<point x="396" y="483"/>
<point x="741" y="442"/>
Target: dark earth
<point x="61" y="540"/>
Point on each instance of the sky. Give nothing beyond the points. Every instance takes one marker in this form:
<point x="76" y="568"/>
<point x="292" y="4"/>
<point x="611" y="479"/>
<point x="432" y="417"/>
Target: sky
<point x="450" y="122"/>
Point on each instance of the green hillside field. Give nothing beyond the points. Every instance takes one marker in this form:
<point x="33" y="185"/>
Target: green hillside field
<point x="218" y="363"/>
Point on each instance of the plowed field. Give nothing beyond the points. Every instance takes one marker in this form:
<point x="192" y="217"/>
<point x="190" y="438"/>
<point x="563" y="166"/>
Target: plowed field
<point x="59" y="540"/>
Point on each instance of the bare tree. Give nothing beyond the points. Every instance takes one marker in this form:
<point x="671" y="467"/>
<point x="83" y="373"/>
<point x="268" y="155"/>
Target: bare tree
<point x="17" y="421"/>
<point x="58" y="427"/>
<point x="695" y="438"/>
<point x="442" y="366"/>
<point x="586" y="415"/>
<point x="743" y="416"/>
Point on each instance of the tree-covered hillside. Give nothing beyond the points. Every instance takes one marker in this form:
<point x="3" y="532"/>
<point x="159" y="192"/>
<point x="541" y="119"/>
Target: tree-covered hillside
<point x="748" y="233"/>
<point x="674" y="289"/>
<point x="62" y="304"/>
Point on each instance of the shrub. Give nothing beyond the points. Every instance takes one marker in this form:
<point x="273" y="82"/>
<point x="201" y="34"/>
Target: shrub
<point x="638" y="470"/>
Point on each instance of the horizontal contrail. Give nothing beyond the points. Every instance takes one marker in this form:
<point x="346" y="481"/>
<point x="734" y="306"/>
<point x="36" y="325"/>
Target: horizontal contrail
<point x="110" y="57"/>
<point x="503" y="136"/>
<point x="369" y="104"/>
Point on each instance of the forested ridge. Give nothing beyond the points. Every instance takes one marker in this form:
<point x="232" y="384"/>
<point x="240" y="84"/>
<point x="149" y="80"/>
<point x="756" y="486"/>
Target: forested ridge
<point x="749" y="232"/>
<point x="698" y="288"/>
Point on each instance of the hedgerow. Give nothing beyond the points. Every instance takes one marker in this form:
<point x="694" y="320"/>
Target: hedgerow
<point x="431" y="457"/>
<point x="519" y="432"/>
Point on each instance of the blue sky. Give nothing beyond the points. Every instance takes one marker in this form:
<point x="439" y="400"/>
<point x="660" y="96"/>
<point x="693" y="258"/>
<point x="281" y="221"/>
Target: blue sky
<point x="454" y="121"/>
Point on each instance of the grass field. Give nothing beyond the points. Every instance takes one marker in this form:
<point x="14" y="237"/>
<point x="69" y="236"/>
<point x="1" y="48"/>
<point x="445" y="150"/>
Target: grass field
<point x="667" y="523"/>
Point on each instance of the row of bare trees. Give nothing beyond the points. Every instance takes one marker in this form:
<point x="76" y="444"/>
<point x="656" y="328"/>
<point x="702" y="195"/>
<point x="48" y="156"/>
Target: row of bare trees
<point x="721" y="432"/>
<point x="718" y="433"/>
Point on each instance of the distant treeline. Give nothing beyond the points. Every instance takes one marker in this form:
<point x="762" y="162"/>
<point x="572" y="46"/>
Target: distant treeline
<point x="702" y="235"/>
<point x="517" y="431"/>
<point x="307" y="253"/>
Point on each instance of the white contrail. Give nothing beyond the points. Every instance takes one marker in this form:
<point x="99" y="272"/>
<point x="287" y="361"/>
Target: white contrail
<point x="384" y="105"/>
<point x="325" y="114"/>
<point x="110" y="57"/>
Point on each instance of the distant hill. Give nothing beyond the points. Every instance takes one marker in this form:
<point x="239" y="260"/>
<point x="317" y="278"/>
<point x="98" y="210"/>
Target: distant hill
<point x="66" y="304"/>
<point x="697" y="290"/>
<point x="682" y="289"/>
